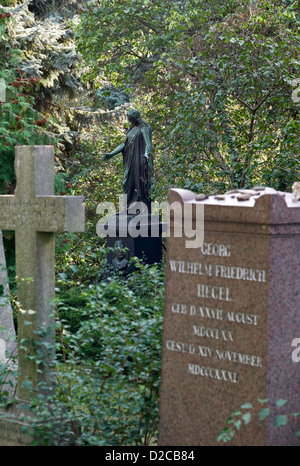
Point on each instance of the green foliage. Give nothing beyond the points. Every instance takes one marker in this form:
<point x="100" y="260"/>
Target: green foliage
<point x="8" y="377"/>
<point x="213" y="78"/>
<point x="214" y="81"/>
<point x="101" y="181"/>
<point x="8" y="370"/>
<point x="107" y="371"/>
<point x="72" y="307"/>
<point x="245" y="414"/>
<point x="8" y="2"/>
<point x="20" y="124"/>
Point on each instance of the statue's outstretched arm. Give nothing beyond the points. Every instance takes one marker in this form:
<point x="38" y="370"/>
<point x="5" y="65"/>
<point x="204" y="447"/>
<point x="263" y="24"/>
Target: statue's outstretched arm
<point x="119" y="149"/>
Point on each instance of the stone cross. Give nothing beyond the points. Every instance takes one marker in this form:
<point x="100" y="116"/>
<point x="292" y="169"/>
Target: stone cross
<point x="35" y="213"/>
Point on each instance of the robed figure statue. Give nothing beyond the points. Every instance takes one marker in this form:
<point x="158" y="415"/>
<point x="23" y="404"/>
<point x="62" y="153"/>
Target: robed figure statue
<point x="137" y="153"/>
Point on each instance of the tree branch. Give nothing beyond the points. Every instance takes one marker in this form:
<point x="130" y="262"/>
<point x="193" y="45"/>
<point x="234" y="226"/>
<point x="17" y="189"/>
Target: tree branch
<point x="254" y="109"/>
<point x="145" y="23"/>
<point x="17" y="9"/>
<point x="243" y="102"/>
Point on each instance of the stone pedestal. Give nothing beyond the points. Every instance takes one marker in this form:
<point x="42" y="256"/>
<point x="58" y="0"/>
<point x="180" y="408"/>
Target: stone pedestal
<point x="141" y="235"/>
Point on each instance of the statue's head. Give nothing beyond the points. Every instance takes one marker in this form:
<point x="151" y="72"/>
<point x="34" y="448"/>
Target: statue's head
<point x="134" y="116"/>
<point x="119" y="250"/>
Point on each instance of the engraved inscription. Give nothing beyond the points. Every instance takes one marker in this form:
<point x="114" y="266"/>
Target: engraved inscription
<point x="212" y="333"/>
<point x="213" y="373"/>
<point x="215" y="316"/>
<point x="40" y="213"/>
<point x="221" y="293"/>
<point x="11" y="434"/>
<point x="219" y="271"/>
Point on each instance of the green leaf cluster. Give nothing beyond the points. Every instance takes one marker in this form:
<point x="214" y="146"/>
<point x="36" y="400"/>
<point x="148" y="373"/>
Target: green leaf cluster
<point x="215" y="80"/>
<point x="248" y="411"/>
<point x="107" y="369"/>
<point x="20" y="123"/>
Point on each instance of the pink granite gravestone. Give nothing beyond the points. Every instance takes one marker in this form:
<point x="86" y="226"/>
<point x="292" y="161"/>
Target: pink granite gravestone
<point x="232" y="311"/>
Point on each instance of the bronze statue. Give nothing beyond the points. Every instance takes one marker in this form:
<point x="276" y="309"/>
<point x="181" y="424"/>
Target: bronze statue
<point x="137" y="153"/>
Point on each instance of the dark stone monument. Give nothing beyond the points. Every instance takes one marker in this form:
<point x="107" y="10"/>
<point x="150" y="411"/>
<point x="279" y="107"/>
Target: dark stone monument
<point x="231" y="315"/>
<point x="140" y="236"/>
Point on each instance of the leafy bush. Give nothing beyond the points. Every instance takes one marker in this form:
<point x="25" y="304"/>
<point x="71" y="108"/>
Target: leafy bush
<point x="20" y="123"/>
<point x="213" y="78"/>
<point x="246" y="412"/>
<point x="107" y="371"/>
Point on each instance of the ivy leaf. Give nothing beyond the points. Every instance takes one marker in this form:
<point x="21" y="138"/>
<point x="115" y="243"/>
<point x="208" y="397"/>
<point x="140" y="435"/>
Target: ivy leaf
<point x="280" y="420"/>
<point x="281" y="402"/>
<point x="27" y="384"/>
<point x="223" y="434"/>
<point x="229" y="420"/>
<point x="238" y="424"/>
<point x="264" y="413"/>
<point x="246" y="406"/>
<point x="247" y="418"/>
<point x="263" y="400"/>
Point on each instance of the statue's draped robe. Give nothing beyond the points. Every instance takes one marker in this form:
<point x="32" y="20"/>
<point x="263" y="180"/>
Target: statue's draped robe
<point x="137" y="168"/>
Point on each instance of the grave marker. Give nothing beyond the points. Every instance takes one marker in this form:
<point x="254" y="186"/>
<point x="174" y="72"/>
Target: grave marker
<point x="36" y="214"/>
<point x="231" y="314"/>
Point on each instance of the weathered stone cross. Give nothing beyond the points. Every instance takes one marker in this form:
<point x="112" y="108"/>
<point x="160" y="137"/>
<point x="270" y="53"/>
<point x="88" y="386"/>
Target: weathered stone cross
<point x="35" y="213"/>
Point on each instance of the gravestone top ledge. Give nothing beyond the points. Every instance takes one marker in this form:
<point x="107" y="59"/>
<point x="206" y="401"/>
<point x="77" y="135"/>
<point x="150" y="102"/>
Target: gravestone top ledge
<point x="259" y="205"/>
